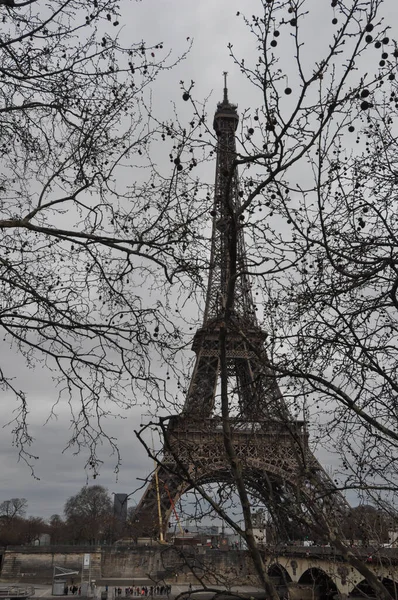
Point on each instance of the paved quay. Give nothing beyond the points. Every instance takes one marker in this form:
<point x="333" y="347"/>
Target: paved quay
<point x="177" y="590"/>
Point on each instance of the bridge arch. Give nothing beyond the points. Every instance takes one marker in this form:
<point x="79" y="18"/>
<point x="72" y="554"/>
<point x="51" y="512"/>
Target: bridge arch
<point x="323" y="584"/>
<point x="276" y="570"/>
<point x="365" y="590"/>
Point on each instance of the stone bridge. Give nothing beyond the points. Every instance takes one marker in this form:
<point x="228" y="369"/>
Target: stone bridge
<point x="317" y="572"/>
<point x="300" y="573"/>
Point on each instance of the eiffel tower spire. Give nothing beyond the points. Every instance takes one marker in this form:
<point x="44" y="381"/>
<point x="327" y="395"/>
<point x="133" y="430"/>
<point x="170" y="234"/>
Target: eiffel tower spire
<point x="257" y="396"/>
<point x="226" y="208"/>
<point x="272" y="446"/>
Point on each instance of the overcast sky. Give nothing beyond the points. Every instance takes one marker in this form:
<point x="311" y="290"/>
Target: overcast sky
<point x="211" y="24"/>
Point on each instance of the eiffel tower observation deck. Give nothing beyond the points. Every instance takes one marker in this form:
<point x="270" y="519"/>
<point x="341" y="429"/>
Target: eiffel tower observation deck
<point x="270" y="446"/>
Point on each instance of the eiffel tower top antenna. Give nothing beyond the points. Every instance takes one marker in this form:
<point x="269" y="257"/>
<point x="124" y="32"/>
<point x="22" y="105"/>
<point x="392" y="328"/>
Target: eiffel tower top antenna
<point x="225" y="100"/>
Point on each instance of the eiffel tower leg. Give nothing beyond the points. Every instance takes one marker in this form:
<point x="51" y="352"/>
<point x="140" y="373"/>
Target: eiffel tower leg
<point x="152" y="514"/>
<point x="200" y="397"/>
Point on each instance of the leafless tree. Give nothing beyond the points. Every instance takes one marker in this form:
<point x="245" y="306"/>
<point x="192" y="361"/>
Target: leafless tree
<point x="16" y="507"/>
<point x="317" y="159"/>
<point x="12" y="521"/>
<point x="58" y="530"/>
<point x="92" y="235"/>
<point x="87" y="514"/>
<point x="329" y="234"/>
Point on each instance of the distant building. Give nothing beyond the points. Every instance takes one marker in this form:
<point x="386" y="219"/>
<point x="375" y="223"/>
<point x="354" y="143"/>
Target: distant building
<point x="202" y="529"/>
<point x="43" y="539"/>
<point x="259" y="526"/>
<point x="393" y="538"/>
<point x="120" y="507"/>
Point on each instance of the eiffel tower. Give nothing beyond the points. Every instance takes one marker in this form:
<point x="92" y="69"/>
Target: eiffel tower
<point x="278" y="467"/>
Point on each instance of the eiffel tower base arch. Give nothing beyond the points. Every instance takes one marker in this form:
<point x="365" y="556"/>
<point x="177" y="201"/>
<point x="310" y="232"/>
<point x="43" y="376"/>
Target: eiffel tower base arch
<point x="272" y="455"/>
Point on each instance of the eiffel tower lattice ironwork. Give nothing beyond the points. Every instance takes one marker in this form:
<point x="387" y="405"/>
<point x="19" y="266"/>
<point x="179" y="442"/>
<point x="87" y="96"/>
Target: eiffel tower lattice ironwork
<point x="271" y="445"/>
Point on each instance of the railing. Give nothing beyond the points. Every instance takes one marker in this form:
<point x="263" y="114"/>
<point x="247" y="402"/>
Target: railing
<point x="380" y="554"/>
<point x="16" y="591"/>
